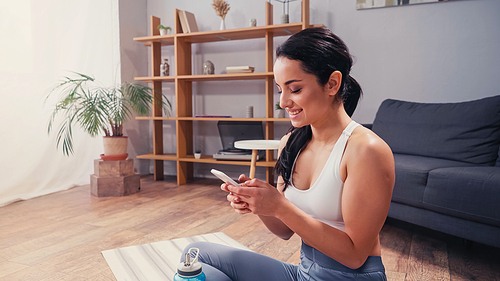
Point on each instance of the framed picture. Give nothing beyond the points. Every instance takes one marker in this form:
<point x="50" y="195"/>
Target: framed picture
<point x="368" y="4"/>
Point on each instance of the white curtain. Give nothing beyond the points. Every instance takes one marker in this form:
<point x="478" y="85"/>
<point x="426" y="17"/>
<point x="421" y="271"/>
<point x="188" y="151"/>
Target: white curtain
<point x="42" y="41"/>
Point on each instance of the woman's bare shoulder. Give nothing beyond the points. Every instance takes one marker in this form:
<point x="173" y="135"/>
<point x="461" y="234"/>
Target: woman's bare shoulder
<point x="365" y="143"/>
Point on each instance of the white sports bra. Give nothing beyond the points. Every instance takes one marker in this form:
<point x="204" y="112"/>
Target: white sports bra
<point x="323" y="200"/>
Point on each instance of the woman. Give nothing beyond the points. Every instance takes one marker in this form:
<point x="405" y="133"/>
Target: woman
<point x="335" y="177"/>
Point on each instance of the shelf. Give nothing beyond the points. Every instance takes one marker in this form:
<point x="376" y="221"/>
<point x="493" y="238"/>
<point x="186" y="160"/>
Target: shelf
<point x="226" y="35"/>
<point x="233" y="76"/>
<point x="184" y="121"/>
<point x="204" y="159"/>
<point x="165" y="39"/>
<point x="156" y="78"/>
<point x="209" y="77"/>
<point x="151" y="156"/>
<point x="212" y="119"/>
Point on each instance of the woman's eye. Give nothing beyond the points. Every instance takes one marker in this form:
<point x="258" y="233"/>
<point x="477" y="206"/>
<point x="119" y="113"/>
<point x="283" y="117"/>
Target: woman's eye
<point x="296" y="91"/>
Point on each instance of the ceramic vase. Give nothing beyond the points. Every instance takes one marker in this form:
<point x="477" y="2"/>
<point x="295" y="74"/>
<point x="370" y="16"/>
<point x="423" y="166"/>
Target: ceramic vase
<point x="223" y="24"/>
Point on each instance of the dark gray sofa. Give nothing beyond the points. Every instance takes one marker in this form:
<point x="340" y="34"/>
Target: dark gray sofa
<point x="447" y="165"/>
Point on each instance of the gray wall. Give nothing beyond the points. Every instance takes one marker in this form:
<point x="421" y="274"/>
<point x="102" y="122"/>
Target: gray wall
<point x="440" y="52"/>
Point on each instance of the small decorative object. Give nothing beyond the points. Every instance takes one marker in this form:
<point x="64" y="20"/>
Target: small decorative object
<point x="165" y="68"/>
<point x="249" y="111"/>
<point x="208" y="67"/>
<point x="163" y="29"/>
<point x="285" y="18"/>
<point x="221" y="8"/>
<point x="252" y="23"/>
<point x="279" y="112"/>
<point x="197" y="154"/>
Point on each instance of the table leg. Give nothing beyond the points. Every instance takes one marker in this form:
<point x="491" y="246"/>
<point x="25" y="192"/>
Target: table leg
<point x="252" y="163"/>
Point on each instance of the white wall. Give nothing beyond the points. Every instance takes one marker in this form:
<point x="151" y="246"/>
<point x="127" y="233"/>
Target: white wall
<point x="41" y="42"/>
<point x="134" y="63"/>
<point x="440" y="52"/>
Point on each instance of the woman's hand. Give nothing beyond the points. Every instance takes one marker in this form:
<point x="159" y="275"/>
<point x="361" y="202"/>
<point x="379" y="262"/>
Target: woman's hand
<point x="236" y="203"/>
<point x="254" y="196"/>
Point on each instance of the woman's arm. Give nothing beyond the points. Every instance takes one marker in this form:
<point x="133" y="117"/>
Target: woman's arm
<point x="369" y="169"/>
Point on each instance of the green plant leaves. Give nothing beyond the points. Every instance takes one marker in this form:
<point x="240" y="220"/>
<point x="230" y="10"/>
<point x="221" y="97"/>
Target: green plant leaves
<point x="99" y="109"/>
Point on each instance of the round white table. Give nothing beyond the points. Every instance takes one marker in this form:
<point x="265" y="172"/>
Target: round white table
<point x="255" y="146"/>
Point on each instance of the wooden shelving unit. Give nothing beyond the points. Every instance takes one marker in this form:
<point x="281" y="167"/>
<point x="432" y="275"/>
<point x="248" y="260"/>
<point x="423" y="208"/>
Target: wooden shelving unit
<point x="184" y="77"/>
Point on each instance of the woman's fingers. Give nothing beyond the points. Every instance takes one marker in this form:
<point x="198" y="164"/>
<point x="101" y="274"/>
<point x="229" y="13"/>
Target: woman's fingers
<point x="241" y="208"/>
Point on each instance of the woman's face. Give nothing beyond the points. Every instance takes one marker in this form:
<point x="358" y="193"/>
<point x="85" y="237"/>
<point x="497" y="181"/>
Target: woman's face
<point x="301" y="96"/>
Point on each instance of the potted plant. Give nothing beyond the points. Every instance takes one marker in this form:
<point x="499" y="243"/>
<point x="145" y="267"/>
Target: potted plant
<point x="197" y="154"/>
<point x="279" y="112"/>
<point x="163" y="29"/>
<point x="98" y="109"/>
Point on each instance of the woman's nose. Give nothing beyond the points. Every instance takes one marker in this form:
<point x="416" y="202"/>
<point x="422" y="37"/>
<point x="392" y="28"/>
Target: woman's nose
<point x="284" y="100"/>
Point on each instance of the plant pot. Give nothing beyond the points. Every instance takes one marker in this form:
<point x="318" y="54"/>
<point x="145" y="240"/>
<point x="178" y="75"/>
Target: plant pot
<point x="163" y="32"/>
<point x="279" y="113"/>
<point x="115" y="145"/>
<point x="197" y="155"/>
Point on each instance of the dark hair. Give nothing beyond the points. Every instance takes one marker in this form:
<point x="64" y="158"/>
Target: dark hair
<point x="320" y="53"/>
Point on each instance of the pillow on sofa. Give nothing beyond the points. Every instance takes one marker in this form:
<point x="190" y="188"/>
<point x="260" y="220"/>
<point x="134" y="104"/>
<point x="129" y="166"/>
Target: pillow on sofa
<point x="464" y="131"/>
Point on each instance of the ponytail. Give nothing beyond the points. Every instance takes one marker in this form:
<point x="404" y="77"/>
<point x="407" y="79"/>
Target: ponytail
<point x="351" y="93"/>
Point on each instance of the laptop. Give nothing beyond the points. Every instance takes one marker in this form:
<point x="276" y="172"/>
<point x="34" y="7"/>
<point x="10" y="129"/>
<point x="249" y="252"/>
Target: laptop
<point x="232" y="131"/>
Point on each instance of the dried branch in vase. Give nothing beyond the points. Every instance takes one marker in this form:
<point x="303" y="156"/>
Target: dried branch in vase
<point x="221" y="8"/>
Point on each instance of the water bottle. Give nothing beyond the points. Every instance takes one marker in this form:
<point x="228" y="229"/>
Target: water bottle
<point x="190" y="269"/>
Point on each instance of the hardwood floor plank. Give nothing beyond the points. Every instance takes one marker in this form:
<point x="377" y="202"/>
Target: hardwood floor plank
<point x="7" y="267"/>
<point x="428" y="259"/>
<point x="396" y="244"/>
<point x="61" y="236"/>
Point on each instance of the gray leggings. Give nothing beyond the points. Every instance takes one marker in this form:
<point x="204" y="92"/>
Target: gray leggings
<point x="223" y="263"/>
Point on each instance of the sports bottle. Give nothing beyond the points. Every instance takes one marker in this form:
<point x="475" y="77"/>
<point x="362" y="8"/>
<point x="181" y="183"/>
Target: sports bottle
<point x="190" y="269"/>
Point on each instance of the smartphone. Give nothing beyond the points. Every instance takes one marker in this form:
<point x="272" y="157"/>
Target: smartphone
<point x="225" y="178"/>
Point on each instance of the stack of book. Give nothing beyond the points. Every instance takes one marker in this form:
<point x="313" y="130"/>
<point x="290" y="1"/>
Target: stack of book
<point x="240" y="69"/>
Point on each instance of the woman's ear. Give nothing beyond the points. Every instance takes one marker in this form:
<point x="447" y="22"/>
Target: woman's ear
<point x="334" y="82"/>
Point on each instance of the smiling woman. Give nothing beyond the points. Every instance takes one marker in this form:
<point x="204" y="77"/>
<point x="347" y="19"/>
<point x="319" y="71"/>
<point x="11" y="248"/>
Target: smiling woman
<point x="335" y="176"/>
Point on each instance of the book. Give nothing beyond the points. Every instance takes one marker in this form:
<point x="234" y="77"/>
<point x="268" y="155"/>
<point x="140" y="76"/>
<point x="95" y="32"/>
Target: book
<point x="240" y="69"/>
<point x="183" y="21"/>
<point x="243" y="67"/>
<point x="188" y="22"/>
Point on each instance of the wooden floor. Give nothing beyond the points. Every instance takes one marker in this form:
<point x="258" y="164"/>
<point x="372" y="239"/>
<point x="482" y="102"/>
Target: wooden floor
<point x="61" y="236"/>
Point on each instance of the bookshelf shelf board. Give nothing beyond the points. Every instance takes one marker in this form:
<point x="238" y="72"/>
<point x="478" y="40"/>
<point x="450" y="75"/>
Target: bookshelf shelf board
<point x="228" y="34"/>
<point x="163" y="39"/>
<point x="155" y="118"/>
<point x="211" y="160"/>
<point x="151" y="156"/>
<point x="233" y="76"/>
<point x="156" y="78"/>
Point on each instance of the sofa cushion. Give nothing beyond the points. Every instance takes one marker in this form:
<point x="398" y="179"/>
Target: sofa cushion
<point x="411" y="177"/>
<point x="465" y="131"/>
<point x="471" y="193"/>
